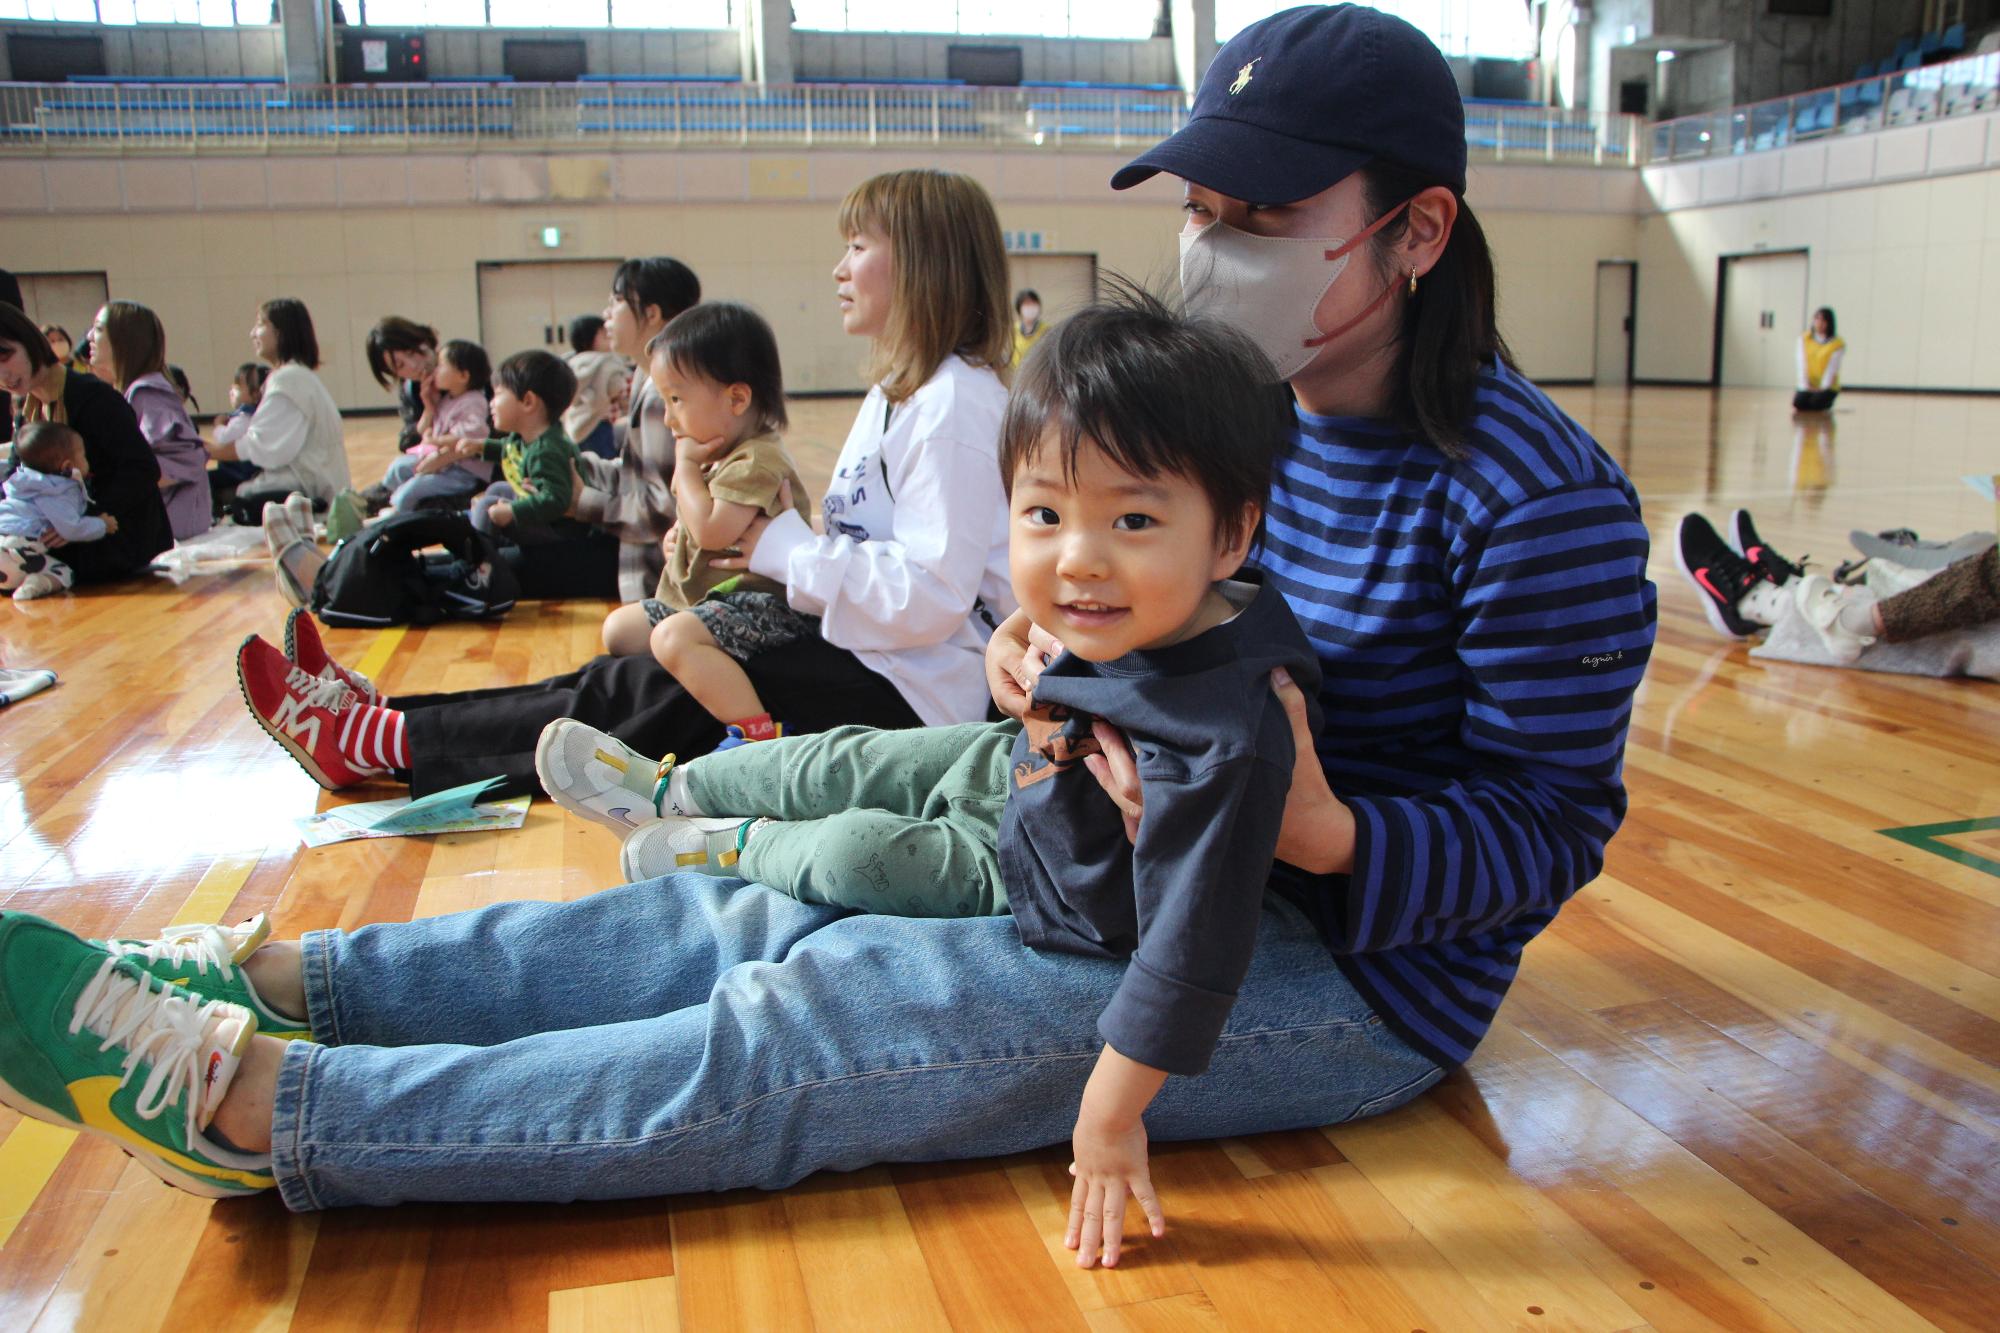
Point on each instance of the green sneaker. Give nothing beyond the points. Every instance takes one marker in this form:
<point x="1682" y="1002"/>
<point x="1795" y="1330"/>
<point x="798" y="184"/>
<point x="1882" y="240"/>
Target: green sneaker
<point x="208" y="960"/>
<point x="91" y="1042"/>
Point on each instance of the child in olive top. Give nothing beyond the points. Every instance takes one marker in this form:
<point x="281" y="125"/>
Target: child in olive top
<point x="717" y="367"/>
<point x="530" y="391"/>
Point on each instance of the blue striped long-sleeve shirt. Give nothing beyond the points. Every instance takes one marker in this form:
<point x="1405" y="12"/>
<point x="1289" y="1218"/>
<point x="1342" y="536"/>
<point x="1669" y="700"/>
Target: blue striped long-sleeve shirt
<point x="1481" y="624"/>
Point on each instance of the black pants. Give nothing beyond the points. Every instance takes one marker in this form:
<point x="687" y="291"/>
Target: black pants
<point x="1814" y="400"/>
<point x="247" y="507"/>
<point x="809" y="685"/>
<point x="579" y="561"/>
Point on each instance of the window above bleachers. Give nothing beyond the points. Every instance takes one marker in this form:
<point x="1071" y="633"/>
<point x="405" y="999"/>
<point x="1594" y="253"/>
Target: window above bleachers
<point x="1116" y="19"/>
<point x="1489" y="28"/>
<point x="699" y="14"/>
<point x="126" y="13"/>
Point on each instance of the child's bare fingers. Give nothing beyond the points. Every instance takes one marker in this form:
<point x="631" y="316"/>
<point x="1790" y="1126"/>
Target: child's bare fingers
<point x="1073" y="1234"/>
<point x="1093" y="1226"/>
<point x="1156" y="1217"/>
<point x="1114" y="1226"/>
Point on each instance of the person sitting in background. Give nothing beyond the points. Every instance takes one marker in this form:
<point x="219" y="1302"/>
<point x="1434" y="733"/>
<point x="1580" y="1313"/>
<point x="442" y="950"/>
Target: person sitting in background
<point x="46" y="495"/>
<point x="295" y="435"/>
<point x="1028" y="327"/>
<point x="403" y="353"/>
<point x="536" y="459"/>
<point x="1820" y="353"/>
<point x="717" y="366"/>
<point x="65" y="348"/>
<point x="1747" y="588"/>
<point x="246" y="389"/>
<point x="426" y="477"/>
<point x="602" y="379"/>
<point x="124" y="469"/>
<point x="128" y="350"/>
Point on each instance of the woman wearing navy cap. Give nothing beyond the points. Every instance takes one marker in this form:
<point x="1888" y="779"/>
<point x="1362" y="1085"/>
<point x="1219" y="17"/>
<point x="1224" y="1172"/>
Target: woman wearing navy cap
<point x="1470" y="566"/>
<point x="1472" y="570"/>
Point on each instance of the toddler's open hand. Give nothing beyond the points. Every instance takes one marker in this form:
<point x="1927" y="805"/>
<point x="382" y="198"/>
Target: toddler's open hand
<point x="1110" y="1162"/>
<point x="110" y="523"/>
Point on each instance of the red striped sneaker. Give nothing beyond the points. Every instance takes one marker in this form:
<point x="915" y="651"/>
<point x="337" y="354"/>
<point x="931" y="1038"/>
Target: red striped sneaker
<point x="300" y="711"/>
<point x="304" y="646"/>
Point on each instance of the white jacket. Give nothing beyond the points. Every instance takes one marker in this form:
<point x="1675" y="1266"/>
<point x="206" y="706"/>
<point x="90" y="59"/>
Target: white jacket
<point x="295" y="437"/>
<point x="911" y="576"/>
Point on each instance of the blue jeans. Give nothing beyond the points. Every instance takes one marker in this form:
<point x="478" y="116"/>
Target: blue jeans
<point x="410" y="492"/>
<point x="690" y="1033"/>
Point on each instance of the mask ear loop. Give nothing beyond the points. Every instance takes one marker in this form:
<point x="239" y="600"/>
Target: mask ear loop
<point x="1387" y="292"/>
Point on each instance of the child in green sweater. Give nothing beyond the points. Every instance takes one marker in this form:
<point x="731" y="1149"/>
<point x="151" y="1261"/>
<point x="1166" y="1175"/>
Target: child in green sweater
<point x="530" y="392"/>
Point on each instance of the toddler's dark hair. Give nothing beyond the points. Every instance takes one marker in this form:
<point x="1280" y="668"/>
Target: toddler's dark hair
<point x="543" y="374"/>
<point x="250" y="377"/>
<point x="1158" y="392"/>
<point x="470" y="359"/>
<point x="583" y="331"/>
<point x="728" y="344"/>
<point x="46" y="446"/>
<point x="180" y="379"/>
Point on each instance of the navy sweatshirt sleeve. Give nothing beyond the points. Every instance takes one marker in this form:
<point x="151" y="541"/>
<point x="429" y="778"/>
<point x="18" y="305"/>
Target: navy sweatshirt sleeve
<point x="1198" y="870"/>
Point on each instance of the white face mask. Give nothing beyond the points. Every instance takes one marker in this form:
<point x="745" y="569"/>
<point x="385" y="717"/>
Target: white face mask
<point x="1269" y="287"/>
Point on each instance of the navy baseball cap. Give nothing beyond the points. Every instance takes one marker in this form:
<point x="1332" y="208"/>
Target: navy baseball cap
<point x="1295" y="103"/>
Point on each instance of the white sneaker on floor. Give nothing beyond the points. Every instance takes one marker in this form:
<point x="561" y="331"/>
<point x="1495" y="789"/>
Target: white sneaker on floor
<point x="299" y="509"/>
<point x="279" y="531"/>
<point x="594" y="774"/>
<point x="1821" y="601"/>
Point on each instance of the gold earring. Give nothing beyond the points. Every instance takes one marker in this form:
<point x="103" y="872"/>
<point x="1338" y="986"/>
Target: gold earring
<point x="1413" y="279"/>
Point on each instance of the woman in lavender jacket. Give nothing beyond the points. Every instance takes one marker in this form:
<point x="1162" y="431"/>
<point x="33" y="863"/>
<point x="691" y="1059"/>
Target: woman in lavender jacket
<point x="128" y="350"/>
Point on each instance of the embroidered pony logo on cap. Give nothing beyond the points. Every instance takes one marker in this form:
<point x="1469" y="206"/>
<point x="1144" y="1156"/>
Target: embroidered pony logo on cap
<point x="1243" y="77"/>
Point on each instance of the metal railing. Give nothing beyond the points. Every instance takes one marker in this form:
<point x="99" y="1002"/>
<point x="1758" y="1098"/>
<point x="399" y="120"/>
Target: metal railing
<point x="117" y="118"/>
<point x="1907" y="97"/>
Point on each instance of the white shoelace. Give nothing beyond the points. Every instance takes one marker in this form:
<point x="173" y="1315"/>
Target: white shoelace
<point x="328" y="692"/>
<point x="204" y="946"/>
<point x="151" y="1025"/>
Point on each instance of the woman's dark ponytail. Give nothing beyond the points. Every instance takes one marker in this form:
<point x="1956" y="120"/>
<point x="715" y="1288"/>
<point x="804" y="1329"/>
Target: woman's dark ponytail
<point x="1450" y="327"/>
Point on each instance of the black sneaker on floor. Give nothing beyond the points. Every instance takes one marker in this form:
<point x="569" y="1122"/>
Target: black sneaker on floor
<point x="1770" y="566"/>
<point x="1719" y="574"/>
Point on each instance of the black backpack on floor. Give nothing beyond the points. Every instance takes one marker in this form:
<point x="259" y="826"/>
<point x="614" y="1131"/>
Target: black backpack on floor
<point x="381" y="576"/>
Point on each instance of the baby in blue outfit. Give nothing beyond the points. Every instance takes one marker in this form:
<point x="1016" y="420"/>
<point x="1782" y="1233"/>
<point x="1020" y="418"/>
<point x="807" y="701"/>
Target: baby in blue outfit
<point x="45" y="496"/>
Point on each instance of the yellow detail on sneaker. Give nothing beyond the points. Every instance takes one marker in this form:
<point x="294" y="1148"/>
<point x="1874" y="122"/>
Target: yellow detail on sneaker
<point x="93" y="1107"/>
<point x="690" y="858"/>
<point x="615" y="761"/>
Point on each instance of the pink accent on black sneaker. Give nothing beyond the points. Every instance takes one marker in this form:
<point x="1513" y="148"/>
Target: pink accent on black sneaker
<point x="300" y="711"/>
<point x="304" y="646"/>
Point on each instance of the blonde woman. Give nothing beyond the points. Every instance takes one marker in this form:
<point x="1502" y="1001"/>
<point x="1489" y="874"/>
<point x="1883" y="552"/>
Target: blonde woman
<point x="908" y="578"/>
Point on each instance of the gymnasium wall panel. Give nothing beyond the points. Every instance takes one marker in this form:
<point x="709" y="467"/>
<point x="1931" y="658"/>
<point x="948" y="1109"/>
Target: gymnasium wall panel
<point x="358" y="236"/>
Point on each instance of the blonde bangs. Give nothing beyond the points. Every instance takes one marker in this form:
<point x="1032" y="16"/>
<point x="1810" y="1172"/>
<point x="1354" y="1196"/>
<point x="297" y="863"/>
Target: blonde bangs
<point x="950" y="270"/>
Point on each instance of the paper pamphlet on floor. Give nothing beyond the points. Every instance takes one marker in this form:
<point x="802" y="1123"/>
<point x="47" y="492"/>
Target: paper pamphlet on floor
<point x="458" y="810"/>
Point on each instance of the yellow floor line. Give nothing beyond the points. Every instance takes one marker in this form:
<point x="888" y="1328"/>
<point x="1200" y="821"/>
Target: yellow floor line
<point x="28" y="1157"/>
<point x="381" y="650"/>
<point x="217" y="889"/>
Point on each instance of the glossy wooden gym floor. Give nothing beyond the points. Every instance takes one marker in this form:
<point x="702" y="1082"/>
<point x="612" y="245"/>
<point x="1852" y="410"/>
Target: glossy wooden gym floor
<point x="1750" y="1079"/>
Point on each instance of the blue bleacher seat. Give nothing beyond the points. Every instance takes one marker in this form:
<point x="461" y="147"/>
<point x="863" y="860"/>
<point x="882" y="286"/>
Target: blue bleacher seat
<point x="1910" y="61"/>
<point x="1927" y="46"/>
<point x="1904" y="45"/>
<point x="1953" y="40"/>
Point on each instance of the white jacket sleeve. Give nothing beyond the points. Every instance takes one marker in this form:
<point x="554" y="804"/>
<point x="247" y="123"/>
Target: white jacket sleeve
<point x="1799" y="353"/>
<point x="232" y="429"/>
<point x="277" y="433"/>
<point x="1833" y="367"/>
<point x="914" y="588"/>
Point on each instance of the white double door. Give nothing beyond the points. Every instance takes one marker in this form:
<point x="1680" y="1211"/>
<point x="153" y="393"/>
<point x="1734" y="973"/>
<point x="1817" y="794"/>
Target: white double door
<point x="1763" y="316"/>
